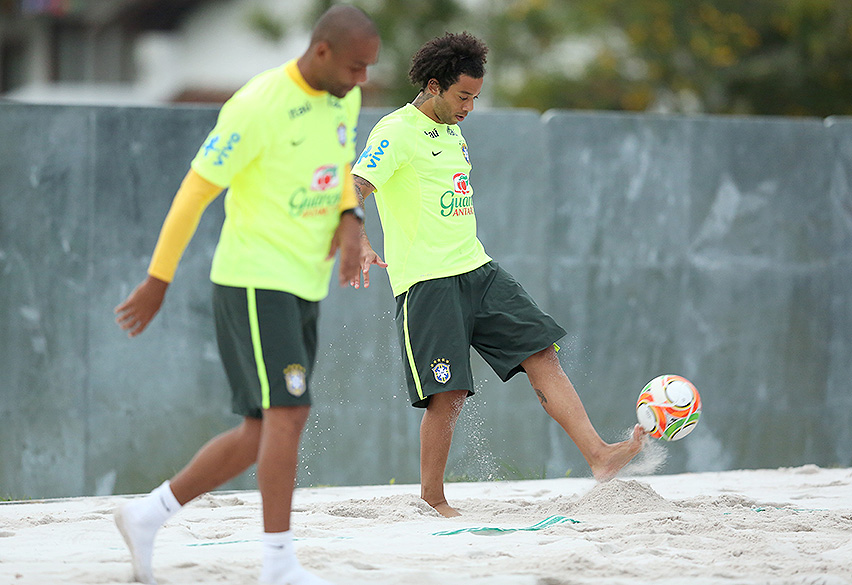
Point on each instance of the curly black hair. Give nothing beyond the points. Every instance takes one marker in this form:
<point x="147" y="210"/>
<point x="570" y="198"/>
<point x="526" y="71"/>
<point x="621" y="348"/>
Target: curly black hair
<point x="448" y="57"/>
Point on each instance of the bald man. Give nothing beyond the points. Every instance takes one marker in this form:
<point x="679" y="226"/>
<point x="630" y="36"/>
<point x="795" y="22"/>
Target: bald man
<point x="282" y="147"/>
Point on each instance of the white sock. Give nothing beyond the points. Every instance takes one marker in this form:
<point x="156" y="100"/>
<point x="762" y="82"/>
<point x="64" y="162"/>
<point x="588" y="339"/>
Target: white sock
<point x="280" y="565"/>
<point x="157" y="507"/>
<point x="138" y="522"/>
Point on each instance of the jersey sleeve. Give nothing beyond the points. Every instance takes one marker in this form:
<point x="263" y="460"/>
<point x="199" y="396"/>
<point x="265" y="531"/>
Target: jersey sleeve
<point x="193" y="197"/>
<point x="234" y="142"/>
<point x="348" y="199"/>
<point x="387" y="150"/>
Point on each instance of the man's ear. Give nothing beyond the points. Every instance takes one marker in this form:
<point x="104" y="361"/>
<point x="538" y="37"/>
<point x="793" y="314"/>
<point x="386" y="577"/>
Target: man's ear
<point x="433" y="87"/>
<point x="322" y="50"/>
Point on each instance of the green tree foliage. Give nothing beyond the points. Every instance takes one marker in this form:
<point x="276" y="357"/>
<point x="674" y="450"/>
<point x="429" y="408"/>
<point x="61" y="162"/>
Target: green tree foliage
<point x="781" y="57"/>
<point x="785" y="57"/>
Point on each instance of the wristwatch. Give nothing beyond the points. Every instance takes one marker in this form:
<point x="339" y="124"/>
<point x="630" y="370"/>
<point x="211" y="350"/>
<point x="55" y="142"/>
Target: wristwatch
<point x="356" y="211"/>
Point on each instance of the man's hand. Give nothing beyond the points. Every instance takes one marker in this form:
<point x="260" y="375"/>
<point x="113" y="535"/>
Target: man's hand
<point x="368" y="258"/>
<point x="346" y="239"/>
<point x="139" y="308"/>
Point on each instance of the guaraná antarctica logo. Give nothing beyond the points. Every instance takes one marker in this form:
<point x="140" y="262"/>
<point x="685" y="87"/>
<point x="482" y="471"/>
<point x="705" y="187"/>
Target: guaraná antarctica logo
<point x="441" y="370"/>
<point x="322" y="199"/>
<point x="459" y="201"/>
<point x="325" y="178"/>
<point x="294" y="377"/>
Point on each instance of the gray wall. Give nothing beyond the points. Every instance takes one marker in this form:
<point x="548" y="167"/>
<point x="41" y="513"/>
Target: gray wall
<point x="717" y="248"/>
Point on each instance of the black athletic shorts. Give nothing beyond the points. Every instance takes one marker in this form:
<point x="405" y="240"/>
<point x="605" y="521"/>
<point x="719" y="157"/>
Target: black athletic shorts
<point x="439" y="320"/>
<point x="268" y="343"/>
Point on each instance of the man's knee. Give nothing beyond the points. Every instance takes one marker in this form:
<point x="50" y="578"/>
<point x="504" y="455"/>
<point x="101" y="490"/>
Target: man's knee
<point x="250" y="430"/>
<point x="286" y="418"/>
<point x="449" y="400"/>
<point x="544" y="358"/>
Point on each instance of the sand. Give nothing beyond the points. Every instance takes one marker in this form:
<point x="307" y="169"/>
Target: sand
<point x="782" y="526"/>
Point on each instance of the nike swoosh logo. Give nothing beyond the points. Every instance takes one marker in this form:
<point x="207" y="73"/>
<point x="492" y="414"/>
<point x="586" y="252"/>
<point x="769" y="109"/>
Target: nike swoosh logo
<point x="436" y="153"/>
<point x="297" y="142"/>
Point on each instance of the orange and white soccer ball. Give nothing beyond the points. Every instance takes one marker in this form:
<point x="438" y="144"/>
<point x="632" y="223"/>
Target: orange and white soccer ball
<point x="669" y="407"/>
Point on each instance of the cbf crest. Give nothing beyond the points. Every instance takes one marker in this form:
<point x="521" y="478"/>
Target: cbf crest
<point x="441" y="370"/>
<point x="294" y="377"/>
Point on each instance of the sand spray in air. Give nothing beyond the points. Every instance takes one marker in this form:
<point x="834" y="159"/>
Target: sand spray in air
<point x="649" y="460"/>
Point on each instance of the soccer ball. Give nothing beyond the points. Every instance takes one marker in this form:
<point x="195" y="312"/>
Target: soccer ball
<point x="668" y="407"/>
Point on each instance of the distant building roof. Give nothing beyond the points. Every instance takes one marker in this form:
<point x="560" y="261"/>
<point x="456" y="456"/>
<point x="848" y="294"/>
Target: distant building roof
<point x="134" y="14"/>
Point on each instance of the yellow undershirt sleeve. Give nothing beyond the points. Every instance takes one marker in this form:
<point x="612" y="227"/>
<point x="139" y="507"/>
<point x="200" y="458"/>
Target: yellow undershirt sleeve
<point x="192" y="198"/>
<point x="348" y="199"/>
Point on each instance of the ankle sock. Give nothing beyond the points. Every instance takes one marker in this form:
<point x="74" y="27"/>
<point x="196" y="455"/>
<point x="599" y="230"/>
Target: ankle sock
<point x="280" y="565"/>
<point x="279" y="555"/>
<point x="156" y="508"/>
<point x="138" y="522"/>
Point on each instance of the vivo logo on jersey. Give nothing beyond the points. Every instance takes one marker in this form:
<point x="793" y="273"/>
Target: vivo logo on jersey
<point x="325" y="178"/>
<point x="221" y="153"/>
<point x="374" y="156"/>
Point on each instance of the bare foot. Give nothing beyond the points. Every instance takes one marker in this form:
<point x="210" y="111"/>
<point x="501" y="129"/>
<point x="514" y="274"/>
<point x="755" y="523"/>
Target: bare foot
<point x="444" y="509"/>
<point x="618" y="455"/>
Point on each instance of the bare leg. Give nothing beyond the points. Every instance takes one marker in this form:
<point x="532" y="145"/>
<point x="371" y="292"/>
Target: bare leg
<point x="277" y="462"/>
<point x="436" y="436"/>
<point x="560" y="401"/>
<point x="223" y="458"/>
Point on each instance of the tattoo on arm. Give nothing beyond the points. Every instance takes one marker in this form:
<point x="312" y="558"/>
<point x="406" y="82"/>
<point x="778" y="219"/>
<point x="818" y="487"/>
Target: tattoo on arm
<point x="541" y="397"/>
<point x="363" y="188"/>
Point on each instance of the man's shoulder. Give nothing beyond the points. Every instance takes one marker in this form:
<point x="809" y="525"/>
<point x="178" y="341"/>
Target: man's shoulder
<point x="265" y="80"/>
<point x="399" y="117"/>
<point x="402" y="122"/>
<point x="267" y="90"/>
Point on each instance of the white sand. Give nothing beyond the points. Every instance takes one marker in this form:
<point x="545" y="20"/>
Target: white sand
<point x="785" y="526"/>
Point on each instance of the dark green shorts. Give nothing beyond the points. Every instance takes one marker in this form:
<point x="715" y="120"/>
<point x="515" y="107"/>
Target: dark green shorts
<point x="268" y="343"/>
<point x="439" y="320"/>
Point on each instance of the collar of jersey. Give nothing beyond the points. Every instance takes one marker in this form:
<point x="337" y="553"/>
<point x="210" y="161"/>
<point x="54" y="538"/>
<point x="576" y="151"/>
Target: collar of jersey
<point x="423" y="119"/>
<point x="292" y="70"/>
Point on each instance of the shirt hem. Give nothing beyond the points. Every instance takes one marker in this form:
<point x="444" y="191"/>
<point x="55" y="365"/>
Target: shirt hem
<point x="269" y="285"/>
<point x="455" y="272"/>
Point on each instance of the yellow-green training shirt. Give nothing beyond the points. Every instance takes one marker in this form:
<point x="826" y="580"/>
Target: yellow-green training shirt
<point x="421" y="172"/>
<point x="282" y="149"/>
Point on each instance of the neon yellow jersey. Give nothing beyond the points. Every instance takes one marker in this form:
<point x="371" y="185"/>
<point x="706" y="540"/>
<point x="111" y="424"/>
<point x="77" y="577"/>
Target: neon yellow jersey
<point x="420" y="170"/>
<point x="282" y="149"/>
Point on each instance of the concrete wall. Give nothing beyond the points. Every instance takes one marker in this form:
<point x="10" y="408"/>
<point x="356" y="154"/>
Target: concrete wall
<point x="717" y="248"/>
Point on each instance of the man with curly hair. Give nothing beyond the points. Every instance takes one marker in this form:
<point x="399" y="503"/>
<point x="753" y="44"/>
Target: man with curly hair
<point x="450" y="295"/>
